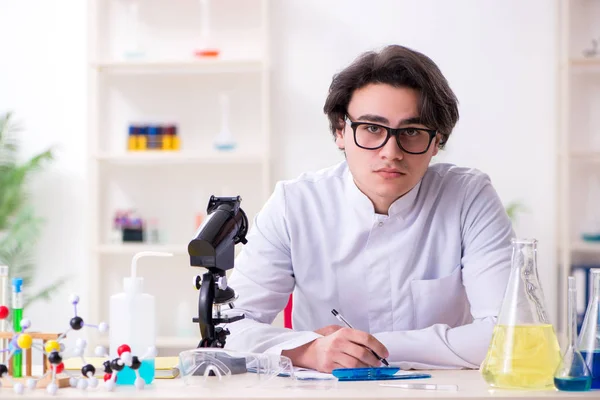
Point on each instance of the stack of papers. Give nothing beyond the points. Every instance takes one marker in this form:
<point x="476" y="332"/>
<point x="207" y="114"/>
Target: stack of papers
<point x="306" y="374"/>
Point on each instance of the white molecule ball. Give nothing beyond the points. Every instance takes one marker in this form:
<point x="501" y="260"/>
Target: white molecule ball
<point x="139" y="383"/>
<point x="100" y="351"/>
<point x="110" y="385"/>
<point x="19" y="388"/>
<point x="93" y="382"/>
<point x="151" y="353"/>
<point x="126" y="357"/>
<point x="78" y="351"/>
<point x="81" y="343"/>
<point x="73" y="382"/>
<point x="31" y="383"/>
<point x="82" y="384"/>
<point x="25" y="323"/>
<point x="73" y="299"/>
<point x="62" y="347"/>
<point x="103" y="327"/>
<point x="52" y="389"/>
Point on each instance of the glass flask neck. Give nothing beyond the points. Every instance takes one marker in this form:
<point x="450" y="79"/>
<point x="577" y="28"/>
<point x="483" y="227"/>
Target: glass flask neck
<point x="589" y="337"/>
<point x="595" y="278"/>
<point x="572" y="313"/>
<point x="523" y="302"/>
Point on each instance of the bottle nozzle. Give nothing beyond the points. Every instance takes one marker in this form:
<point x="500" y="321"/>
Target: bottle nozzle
<point x="141" y="254"/>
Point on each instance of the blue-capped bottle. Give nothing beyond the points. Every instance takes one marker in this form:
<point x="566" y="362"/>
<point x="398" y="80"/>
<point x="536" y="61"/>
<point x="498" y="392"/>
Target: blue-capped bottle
<point x="154" y="137"/>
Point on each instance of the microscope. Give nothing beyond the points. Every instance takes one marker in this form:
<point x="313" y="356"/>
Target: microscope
<point x="213" y="248"/>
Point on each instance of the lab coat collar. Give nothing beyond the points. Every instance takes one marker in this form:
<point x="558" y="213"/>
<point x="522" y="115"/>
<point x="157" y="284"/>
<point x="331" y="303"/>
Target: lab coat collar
<point x="398" y="208"/>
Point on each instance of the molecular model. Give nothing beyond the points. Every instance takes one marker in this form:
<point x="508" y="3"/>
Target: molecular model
<point x="113" y="367"/>
<point x="55" y="351"/>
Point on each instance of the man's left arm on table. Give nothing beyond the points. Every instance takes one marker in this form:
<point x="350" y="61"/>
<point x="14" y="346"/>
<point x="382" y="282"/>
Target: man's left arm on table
<point x="487" y="234"/>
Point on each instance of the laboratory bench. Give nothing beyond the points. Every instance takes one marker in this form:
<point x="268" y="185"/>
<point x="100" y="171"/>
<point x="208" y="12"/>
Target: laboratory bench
<point x="470" y="386"/>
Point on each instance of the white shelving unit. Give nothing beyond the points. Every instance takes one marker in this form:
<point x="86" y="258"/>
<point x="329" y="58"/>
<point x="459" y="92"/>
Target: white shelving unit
<point x="169" y="84"/>
<point x="579" y="138"/>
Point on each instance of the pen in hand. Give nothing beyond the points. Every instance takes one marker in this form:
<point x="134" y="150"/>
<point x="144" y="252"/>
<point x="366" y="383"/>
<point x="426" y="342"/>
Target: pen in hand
<point x="343" y="321"/>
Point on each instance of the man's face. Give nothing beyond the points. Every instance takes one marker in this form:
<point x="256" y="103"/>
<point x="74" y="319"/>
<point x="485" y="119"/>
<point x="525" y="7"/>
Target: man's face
<point x="387" y="173"/>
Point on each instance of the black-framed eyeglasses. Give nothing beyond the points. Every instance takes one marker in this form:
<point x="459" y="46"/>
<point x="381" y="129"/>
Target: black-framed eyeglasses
<point x="370" y="136"/>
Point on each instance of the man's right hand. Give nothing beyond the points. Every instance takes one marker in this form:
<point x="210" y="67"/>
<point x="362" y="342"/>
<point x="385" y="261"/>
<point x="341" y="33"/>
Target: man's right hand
<point x="345" y="348"/>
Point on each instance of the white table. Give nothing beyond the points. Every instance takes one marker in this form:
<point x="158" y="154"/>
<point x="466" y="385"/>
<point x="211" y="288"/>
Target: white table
<point x="470" y="384"/>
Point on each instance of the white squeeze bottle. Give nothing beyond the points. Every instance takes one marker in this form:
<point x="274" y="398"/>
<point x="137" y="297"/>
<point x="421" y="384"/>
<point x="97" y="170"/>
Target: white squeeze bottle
<point x="133" y="322"/>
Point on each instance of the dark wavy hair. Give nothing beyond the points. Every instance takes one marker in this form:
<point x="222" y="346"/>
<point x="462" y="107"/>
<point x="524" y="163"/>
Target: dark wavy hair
<point x="397" y="66"/>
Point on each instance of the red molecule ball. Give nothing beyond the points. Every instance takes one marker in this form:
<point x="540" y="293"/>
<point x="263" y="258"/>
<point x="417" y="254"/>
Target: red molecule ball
<point x="122" y="349"/>
<point x="3" y="312"/>
<point x="60" y="368"/>
<point x="107" y="377"/>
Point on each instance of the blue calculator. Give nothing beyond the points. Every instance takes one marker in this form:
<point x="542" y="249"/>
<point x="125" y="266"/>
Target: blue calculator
<point x="376" y="374"/>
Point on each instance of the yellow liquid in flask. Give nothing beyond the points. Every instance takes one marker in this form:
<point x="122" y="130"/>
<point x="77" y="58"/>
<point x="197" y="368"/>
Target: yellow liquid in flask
<point x="522" y="357"/>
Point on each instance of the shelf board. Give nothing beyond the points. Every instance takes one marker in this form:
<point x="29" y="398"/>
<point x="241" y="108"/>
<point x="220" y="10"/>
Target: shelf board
<point x="585" y="62"/>
<point x="586" y="156"/>
<point x="165" y="157"/>
<point x="174" y="342"/>
<point x="167" y="342"/>
<point x="585" y="247"/>
<point x="132" y="248"/>
<point x="192" y="65"/>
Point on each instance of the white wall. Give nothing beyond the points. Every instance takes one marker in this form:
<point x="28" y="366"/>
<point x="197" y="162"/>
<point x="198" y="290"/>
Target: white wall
<point x="499" y="57"/>
<point x="43" y="80"/>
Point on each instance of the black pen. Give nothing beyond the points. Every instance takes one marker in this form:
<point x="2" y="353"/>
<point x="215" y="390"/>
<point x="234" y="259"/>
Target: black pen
<point x="343" y="320"/>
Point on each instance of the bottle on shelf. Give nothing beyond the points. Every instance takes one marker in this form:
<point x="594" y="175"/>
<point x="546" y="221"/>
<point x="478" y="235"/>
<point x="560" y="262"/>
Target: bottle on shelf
<point x="132" y="138"/>
<point x="133" y="48"/>
<point x="224" y="140"/>
<point x="591" y="225"/>
<point x="154" y="137"/>
<point x="207" y="46"/>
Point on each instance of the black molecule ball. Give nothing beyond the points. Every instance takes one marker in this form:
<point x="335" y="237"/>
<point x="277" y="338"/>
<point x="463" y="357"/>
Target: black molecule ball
<point x="76" y="323"/>
<point x="3" y="370"/>
<point x="86" y="369"/>
<point x="107" y="368"/>
<point x="54" y="358"/>
<point x="117" y="364"/>
<point x="135" y="363"/>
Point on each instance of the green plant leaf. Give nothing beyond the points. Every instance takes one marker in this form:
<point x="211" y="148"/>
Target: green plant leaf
<point x="19" y="225"/>
<point x="514" y="208"/>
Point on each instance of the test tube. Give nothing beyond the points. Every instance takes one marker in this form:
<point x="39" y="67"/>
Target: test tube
<point x="3" y="302"/>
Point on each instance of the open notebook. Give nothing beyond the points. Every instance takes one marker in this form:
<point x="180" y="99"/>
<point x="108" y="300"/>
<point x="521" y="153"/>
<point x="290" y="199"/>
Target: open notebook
<point x="165" y="367"/>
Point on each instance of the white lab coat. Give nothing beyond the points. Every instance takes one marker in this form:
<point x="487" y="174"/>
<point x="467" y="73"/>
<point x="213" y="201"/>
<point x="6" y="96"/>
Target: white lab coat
<point x="427" y="280"/>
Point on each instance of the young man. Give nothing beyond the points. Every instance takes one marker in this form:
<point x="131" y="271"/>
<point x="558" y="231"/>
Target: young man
<point x="415" y="256"/>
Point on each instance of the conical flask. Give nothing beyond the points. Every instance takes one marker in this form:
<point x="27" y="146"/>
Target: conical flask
<point x="524" y="352"/>
<point x="573" y="374"/>
<point x="589" y="337"/>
